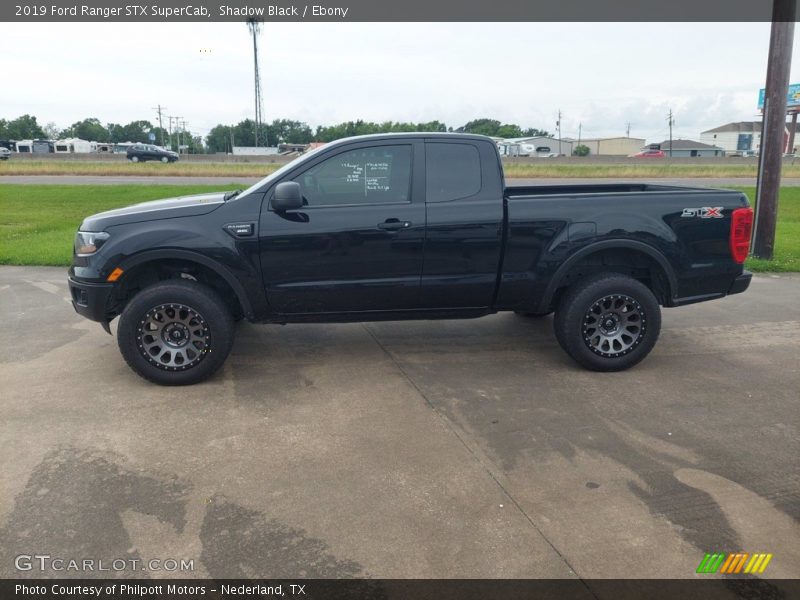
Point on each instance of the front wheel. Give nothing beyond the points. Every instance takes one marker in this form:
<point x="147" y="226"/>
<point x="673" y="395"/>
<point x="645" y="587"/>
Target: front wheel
<point x="164" y="159"/>
<point x="175" y="332"/>
<point x="608" y="322"/>
<point x="134" y="159"/>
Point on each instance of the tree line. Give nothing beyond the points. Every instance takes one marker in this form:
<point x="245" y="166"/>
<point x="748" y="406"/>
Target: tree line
<point x="285" y="131"/>
<point x="222" y="138"/>
<point x="27" y="127"/>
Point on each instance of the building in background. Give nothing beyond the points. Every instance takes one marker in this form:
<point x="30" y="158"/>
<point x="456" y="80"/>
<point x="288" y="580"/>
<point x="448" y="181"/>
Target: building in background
<point x="254" y="150"/>
<point x="683" y="148"/>
<point x="611" y="146"/>
<point x="540" y="146"/>
<point x="742" y="138"/>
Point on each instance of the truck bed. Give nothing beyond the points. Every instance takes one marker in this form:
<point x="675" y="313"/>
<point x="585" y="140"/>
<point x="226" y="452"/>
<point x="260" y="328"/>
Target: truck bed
<point x="512" y="191"/>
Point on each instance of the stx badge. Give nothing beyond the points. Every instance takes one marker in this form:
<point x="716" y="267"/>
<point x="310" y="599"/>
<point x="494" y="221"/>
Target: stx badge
<point x="704" y="212"/>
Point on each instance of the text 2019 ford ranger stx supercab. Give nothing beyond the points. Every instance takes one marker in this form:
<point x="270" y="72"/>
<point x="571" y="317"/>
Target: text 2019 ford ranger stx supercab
<point x="405" y="226"/>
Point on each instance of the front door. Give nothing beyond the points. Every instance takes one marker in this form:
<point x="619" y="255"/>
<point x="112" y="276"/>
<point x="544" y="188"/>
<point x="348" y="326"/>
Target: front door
<point x="357" y="243"/>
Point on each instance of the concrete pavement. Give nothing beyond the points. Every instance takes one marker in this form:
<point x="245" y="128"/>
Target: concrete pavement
<point x="416" y="449"/>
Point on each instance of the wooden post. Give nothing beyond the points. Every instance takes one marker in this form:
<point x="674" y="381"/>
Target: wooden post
<point x="774" y="127"/>
<point x="792" y="129"/>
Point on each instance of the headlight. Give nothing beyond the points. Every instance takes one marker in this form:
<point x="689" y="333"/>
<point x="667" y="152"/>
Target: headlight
<point x="89" y="242"/>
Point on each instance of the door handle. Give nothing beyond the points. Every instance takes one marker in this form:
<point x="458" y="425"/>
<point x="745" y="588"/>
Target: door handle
<point x="394" y="225"/>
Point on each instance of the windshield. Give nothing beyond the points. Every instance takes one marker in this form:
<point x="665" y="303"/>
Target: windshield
<point x="281" y="172"/>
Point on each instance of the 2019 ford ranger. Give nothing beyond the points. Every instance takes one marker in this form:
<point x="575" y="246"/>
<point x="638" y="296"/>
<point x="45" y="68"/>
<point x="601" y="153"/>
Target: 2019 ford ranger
<point x="405" y="226"/>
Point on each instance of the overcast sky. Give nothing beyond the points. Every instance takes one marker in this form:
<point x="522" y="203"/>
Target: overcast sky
<point x="600" y="75"/>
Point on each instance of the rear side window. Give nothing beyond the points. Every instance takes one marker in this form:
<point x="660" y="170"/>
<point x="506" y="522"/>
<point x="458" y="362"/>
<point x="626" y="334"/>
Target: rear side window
<point x="452" y="171"/>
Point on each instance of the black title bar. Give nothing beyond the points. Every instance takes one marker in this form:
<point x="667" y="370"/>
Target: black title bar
<point x="395" y="11"/>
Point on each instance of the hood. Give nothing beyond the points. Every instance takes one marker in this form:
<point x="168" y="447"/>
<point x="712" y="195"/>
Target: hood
<point x="170" y="208"/>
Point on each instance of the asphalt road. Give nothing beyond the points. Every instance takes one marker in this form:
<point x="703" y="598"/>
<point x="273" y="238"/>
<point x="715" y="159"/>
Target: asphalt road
<point x="225" y="182"/>
<point x="417" y="449"/>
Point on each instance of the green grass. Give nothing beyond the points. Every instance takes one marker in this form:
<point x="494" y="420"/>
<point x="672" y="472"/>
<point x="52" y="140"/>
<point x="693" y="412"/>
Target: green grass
<point x="122" y="167"/>
<point x="636" y="169"/>
<point x="633" y="168"/>
<point x="787" y="237"/>
<point x="38" y="222"/>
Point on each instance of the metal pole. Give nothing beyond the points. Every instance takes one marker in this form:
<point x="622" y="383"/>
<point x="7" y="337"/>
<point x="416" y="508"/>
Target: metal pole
<point x="774" y="127"/>
<point x="671" y="121"/>
<point x="559" y="131"/>
<point x="159" y="109"/>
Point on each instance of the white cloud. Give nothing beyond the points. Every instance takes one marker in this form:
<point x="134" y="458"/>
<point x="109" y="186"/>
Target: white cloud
<point x="601" y="76"/>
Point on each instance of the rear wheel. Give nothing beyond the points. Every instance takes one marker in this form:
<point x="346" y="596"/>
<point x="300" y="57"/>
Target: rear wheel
<point x="608" y="322"/>
<point x="176" y="332"/>
<point x="134" y="159"/>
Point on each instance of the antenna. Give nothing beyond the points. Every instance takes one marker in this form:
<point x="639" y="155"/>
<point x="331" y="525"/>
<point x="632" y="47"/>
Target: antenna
<point x="255" y="28"/>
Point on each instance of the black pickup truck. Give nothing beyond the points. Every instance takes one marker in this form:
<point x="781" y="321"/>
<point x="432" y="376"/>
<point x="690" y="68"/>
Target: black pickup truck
<point x="405" y="226"/>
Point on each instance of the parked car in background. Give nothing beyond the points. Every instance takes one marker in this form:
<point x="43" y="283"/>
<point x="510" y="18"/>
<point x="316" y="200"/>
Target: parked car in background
<point x="650" y="154"/>
<point x="143" y="152"/>
<point x="5" y="153"/>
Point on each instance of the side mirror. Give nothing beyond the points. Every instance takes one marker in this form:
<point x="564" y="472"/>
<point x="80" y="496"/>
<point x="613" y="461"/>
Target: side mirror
<point x="288" y="196"/>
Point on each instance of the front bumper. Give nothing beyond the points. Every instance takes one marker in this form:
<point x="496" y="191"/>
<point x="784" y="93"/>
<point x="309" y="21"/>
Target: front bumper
<point x="741" y="283"/>
<point x="90" y="300"/>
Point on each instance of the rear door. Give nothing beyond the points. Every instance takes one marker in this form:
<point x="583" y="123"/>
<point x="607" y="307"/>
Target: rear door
<point x="464" y="234"/>
<point x="357" y="244"/>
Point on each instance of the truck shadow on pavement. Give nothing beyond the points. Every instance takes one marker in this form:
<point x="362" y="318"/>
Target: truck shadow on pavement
<point x="72" y="505"/>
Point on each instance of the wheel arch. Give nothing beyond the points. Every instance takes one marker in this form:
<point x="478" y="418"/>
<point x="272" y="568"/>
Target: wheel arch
<point x="638" y="259"/>
<point x="156" y="265"/>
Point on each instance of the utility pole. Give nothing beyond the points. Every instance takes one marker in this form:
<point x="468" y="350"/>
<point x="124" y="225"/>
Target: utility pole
<point x="158" y="109"/>
<point x="773" y="127"/>
<point x="628" y="130"/>
<point x="580" y="126"/>
<point x="671" y="121"/>
<point x="169" y="133"/>
<point x="558" y="126"/>
<point x="188" y="143"/>
<point x="177" y="131"/>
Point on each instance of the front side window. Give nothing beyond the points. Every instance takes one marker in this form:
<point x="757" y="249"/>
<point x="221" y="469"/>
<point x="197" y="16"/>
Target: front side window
<point x="374" y="175"/>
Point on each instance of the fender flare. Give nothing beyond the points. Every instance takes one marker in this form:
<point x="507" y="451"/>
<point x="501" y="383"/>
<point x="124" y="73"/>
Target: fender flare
<point x="218" y="268"/>
<point x="647" y="249"/>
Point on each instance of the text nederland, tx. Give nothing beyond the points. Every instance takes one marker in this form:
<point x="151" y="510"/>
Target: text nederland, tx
<point x="142" y="591"/>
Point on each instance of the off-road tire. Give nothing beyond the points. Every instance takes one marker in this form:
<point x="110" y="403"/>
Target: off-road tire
<point x="607" y="322"/>
<point x="204" y="327"/>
